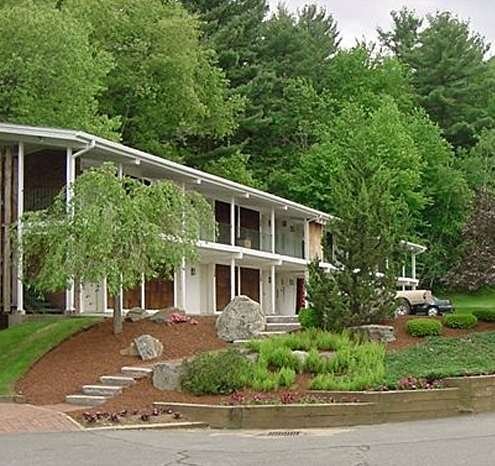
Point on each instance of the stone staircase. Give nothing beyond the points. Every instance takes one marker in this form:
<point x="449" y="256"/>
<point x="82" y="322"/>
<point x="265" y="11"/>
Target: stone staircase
<point x="109" y="386"/>
<point x="277" y="325"/>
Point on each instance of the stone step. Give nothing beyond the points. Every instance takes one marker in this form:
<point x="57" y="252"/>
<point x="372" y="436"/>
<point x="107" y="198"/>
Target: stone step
<point x="117" y="380"/>
<point x="137" y="372"/>
<point x="102" y="390"/>
<point x="86" y="400"/>
<point x="282" y="319"/>
<point x="282" y="327"/>
<point x="271" y="334"/>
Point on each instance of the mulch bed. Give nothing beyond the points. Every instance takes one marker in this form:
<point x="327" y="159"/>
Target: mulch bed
<point x="82" y="359"/>
<point x="404" y="340"/>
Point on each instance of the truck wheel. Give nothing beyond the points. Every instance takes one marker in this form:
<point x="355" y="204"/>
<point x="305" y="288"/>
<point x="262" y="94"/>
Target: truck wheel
<point x="403" y="308"/>
<point x="433" y="311"/>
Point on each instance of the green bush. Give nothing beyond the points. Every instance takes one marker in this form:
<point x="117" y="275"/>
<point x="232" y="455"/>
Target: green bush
<point x="217" y="373"/>
<point x="423" y="327"/>
<point x="279" y="357"/>
<point x="315" y="364"/>
<point x="459" y="320"/>
<point x="308" y="318"/>
<point x="485" y="315"/>
<point x="263" y="380"/>
<point x="286" y="377"/>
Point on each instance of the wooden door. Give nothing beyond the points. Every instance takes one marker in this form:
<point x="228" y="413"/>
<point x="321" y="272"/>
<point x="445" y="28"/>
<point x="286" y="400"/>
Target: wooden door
<point x="132" y="298"/>
<point x="159" y="294"/>
<point x="250" y="283"/>
<point x="301" y="294"/>
<point x="222" y="285"/>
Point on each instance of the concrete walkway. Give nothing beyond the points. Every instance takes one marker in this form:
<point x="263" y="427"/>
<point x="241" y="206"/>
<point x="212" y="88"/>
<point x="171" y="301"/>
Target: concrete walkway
<point x="17" y="418"/>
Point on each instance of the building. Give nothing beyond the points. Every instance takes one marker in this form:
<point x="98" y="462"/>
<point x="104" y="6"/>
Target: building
<point x="262" y="249"/>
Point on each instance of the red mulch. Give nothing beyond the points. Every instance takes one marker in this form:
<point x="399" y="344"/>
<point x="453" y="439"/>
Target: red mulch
<point x="82" y="359"/>
<point x="405" y="340"/>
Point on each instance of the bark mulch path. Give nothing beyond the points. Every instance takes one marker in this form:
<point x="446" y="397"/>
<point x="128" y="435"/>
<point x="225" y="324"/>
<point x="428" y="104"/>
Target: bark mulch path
<point x="404" y="340"/>
<point x="85" y="357"/>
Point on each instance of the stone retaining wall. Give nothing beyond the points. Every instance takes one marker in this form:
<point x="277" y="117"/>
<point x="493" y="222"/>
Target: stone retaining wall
<point x="462" y="396"/>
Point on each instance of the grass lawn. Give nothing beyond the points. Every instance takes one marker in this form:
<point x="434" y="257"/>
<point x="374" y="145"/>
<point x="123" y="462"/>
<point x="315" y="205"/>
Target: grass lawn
<point x="24" y="344"/>
<point x="441" y="357"/>
<point x="469" y="302"/>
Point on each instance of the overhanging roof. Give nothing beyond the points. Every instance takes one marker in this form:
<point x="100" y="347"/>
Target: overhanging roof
<point x="79" y="140"/>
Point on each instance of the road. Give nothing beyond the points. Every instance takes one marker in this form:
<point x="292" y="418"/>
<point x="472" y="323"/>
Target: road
<point x="457" y="441"/>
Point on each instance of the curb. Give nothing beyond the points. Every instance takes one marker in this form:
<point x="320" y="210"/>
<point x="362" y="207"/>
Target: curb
<point x="12" y="399"/>
<point x="157" y="426"/>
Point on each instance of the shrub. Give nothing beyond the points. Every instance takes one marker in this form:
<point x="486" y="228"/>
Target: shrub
<point x="286" y="377"/>
<point x="263" y="380"/>
<point x="326" y="341"/>
<point x="314" y="363"/>
<point x="308" y="318"/>
<point x="278" y="357"/>
<point x="460" y="320"/>
<point x="217" y="373"/>
<point x="485" y="315"/>
<point x="423" y="327"/>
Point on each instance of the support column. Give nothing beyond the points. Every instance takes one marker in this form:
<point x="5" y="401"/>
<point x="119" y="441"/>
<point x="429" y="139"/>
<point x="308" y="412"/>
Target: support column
<point x="272" y="227"/>
<point x="7" y="219"/>
<point x="274" y="289"/>
<point x="306" y="240"/>
<point x="20" y="213"/>
<point x="413" y="268"/>
<point x="183" y="284"/>
<point x="105" y="295"/>
<point x="69" y="177"/>
<point x="232" y="222"/>
<point x="176" y="289"/>
<point x="143" y="292"/>
<point x="232" y="278"/>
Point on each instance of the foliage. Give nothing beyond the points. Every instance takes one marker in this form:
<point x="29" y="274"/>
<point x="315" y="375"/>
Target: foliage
<point x="263" y="380"/>
<point x="308" y="318"/>
<point x="21" y="346"/>
<point x="414" y="383"/>
<point x="460" y="320"/>
<point x="423" y="327"/>
<point x="315" y="363"/>
<point x="216" y="373"/>
<point x="474" y="269"/>
<point x="50" y="72"/>
<point x="276" y="357"/>
<point x="286" y="377"/>
<point x="485" y="315"/>
<point x="439" y="357"/>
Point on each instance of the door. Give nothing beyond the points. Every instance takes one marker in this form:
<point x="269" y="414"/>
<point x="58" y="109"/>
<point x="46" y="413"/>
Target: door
<point x="250" y="283"/>
<point x="222" y="285"/>
<point x="301" y="295"/>
<point x="159" y="294"/>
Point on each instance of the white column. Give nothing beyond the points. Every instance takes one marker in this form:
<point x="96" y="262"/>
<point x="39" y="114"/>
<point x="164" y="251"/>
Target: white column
<point x="176" y="289"/>
<point x="232" y="222"/>
<point x="413" y="268"/>
<point x="20" y="213"/>
<point x="272" y="226"/>
<point x="306" y="240"/>
<point x="143" y="292"/>
<point x="105" y="295"/>
<point x="274" y="288"/>
<point x="121" y="293"/>
<point x="261" y="289"/>
<point x="213" y="288"/>
<point x="183" y="284"/>
<point x="239" y="289"/>
<point x="232" y="278"/>
<point x="69" y="177"/>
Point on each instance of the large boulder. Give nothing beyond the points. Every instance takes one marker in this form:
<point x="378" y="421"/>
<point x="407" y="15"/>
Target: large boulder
<point x="168" y="375"/>
<point x="381" y="333"/>
<point x="148" y="347"/>
<point x="241" y="319"/>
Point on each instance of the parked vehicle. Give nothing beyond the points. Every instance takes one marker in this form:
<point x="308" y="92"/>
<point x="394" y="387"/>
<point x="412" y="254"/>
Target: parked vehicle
<point x="421" y="302"/>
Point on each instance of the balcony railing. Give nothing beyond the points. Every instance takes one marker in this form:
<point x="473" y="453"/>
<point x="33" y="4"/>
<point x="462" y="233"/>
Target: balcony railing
<point x="288" y="246"/>
<point x="254" y="239"/>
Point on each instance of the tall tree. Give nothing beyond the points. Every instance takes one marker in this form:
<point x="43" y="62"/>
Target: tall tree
<point x="50" y="72"/>
<point x="451" y="76"/>
<point x="115" y="229"/>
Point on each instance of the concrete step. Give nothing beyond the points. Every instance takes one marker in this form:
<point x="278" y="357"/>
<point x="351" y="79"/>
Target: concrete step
<point x="282" y="319"/>
<point x="117" y="380"/>
<point x="86" y="400"/>
<point x="282" y="327"/>
<point x="102" y="390"/>
<point x="137" y="372"/>
<point x="271" y="334"/>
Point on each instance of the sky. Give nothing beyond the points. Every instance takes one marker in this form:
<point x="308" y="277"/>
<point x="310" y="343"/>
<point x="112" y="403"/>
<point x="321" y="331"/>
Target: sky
<point x="358" y="18"/>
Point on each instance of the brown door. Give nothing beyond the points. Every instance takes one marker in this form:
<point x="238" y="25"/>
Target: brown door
<point x="222" y="285"/>
<point x="250" y="283"/>
<point x="301" y="294"/>
<point x="132" y="298"/>
<point x="159" y="294"/>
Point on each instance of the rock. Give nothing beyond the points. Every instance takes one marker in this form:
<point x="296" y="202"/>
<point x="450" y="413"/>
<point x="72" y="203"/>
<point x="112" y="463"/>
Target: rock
<point x="249" y="354"/>
<point x="168" y="375"/>
<point x="163" y="315"/>
<point x="301" y="355"/>
<point x="241" y="319"/>
<point x="136" y="314"/>
<point x="382" y="333"/>
<point x="148" y="347"/>
<point x="131" y="350"/>
<point x="327" y="354"/>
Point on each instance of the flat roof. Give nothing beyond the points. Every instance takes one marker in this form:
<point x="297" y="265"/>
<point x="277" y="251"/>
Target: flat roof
<point x="80" y="140"/>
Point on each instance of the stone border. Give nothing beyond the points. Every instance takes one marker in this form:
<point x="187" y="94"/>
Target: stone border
<point x="157" y="426"/>
<point x="12" y="399"/>
<point x="466" y="395"/>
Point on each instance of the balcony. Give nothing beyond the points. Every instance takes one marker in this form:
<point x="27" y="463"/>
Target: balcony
<point x="288" y="246"/>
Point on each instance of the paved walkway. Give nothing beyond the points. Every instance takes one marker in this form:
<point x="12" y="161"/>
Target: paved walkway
<point x="16" y="418"/>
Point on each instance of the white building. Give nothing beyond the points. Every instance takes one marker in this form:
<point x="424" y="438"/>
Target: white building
<point x="263" y="246"/>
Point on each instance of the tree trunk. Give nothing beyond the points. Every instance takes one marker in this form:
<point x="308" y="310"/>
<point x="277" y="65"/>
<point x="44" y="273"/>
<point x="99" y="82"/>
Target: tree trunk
<point x="118" y="324"/>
